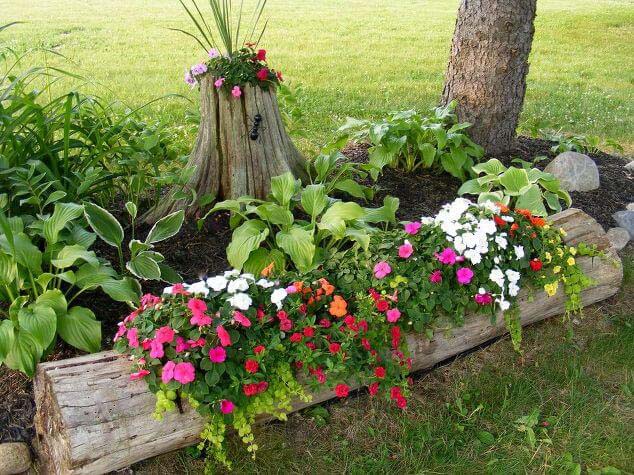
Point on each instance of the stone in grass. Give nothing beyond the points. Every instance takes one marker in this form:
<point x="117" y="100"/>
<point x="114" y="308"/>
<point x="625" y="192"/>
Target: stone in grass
<point x="618" y="237"/>
<point x="625" y="219"/>
<point x="630" y="166"/>
<point x="575" y="171"/>
<point x="630" y="207"/>
<point x="15" y="457"/>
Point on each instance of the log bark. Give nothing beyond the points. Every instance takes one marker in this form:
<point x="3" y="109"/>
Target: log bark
<point x="488" y="66"/>
<point x="91" y="419"/>
<point x="227" y="161"/>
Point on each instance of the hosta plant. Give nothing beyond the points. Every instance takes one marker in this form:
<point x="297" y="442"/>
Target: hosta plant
<point x="298" y="226"/>
<point x="525" y="188"/>
<point x="408" y="140"/>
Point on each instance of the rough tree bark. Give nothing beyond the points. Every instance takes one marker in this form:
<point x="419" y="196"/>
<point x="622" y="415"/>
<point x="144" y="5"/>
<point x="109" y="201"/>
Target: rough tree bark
<point x="487" y="69"/>
<point x="228" y="162"/>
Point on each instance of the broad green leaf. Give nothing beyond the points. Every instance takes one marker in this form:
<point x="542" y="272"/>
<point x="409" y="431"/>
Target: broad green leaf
<point x="314" y="200"/>
<point x="275" y="214"/>
<point x="494" y="196"/>
<point x="335" y="217"/>
<point x="472" y="187"/>
<point x="166" y="227"/>
<point x="7" y="337"/>
<point x="122" y="290"/>
<point x="131" y="208"/>
<point x="323" y="164"/>
<point x="69" y="255"/>
<point x="87" y="276"/>
<point x="80" y="329"/>
<point x="351" y="187"/>
<point x="53" y="299"/>
<point x="144" y="266"/>
<point x="246" y="238"/>
<point x="553" y="201"/>
<point x="81" y="236"/>
<point x="452" y="163"/>
<point x="40" y="321"/>
<point x="8" y="269"/>
<point x="24" y="354"/>
<point x="299" y="245"/>
<point x="261" y="258"/>
<point x="515" y="181"/>
<point x="104" y="224"/>
<point x="283" y="188"/>
<point x="26" y="254"/>
<point x="428" y="153"/>
<point x="169" y="275"/>
<point x="532" y="200"/>
<point x="361" y="236"/>
<point x="16" y="305"/>
<point x="53" y="197"/>
<point x="63" y="214"/>
<point x="137" y="246"/>
<point x="490" y="167"/>
<point x="380" y="156"/>
<point x="384" y="214"/>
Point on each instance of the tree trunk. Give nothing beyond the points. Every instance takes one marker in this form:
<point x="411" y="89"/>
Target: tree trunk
<point x="92" y="419"/>
<point x="228" y="160"/>
<point x="487" y="70"/>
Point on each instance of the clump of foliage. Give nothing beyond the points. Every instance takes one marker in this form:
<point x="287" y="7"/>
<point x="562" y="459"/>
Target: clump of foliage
<point x="526" y="188"/>
<point x="408" y="140"/>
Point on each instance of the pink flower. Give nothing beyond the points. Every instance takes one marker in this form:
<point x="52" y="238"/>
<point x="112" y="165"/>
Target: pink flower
<point x="197" y="306"/>
<point x="196" y="343"/>
<point x="393" y="315"/>
<point x="483" y="299"/>
<point x="406" y="250"/>
<point x="181" y="345"/>
<point x="179" y="289"/>
<point x="464" y="275"/>
<point x="217" y="354"/>
<point x="146" y="344"/>
<point x="164" y="335"/>
<point x="120" y="332"/>
<point x="149" y="300"/>
<point x="263" y="74"/>
<point x="435" y="277"/>
<point x="200" y="319"/>
<point x="236" y="91"/>
<point x="261" y="55"/>
<point x="219" y="82"/>
<point x="131" y="317"/>
<point x="133" y="337"/>
<point x="412" y="228"/>
<point x="168" y="372"/>
<point x="139" y="375"/>
<point x="291" y="289"/>
<point x="447" y="256"/>
<point x="213" y="53"/>
<point x="241" y="319"/>
<point x="156" y="349"/>
<point x="184" y="373"/>
<point x="226" y="406"/>
<point x="381" y="269"/>
<point x="225" y="339"/>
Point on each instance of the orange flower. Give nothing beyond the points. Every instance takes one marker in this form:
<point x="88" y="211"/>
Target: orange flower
<point x="514" y="227"/>
<point x="538" y="222"/>
<point x="524" y="212"/>
<point x="503" y="207"/>
<point x="328" y="288"/>
<point x="267" y="270"/>
<point x="299" y="285"/>
<point x="338" y="306"/>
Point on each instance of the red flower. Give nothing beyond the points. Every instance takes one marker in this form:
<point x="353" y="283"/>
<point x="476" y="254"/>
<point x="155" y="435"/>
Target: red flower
<point x="282" y="315"/>
<point x="334" y="348"/>
<point x="342" y="390"/>
<point x="395" y="392"/>
<point x="260" y="313"/>
<point x="536" y="264"/>
<point x="363" y="325"/>
<point x="374" y="294"/>
<point x="296" y="337"/>
<point x="250" y="389"/>
<point x="514" y="227"/>
<point x="299" y="364"/>
<point x="499" y="221"/>
<point x="382" y="305"/>
<point x="263" y="74"/>
<point x="349" y="320"/>
<point x="261" y="55"/>
<point x="286" y="325"/>
<point x="373" y="388"/>
<point x="311" y="345"/>
<point x="279" y="76"/>
<point x="401" y="402"/>
<point x="251" y="366"/>
<point x="302" y="308"/>
<point x="379" y="372"/>
<point x="262" y="386"/>
<point x="309" y="332"/>
<point x="325" y="323"/>
<point x="538" y="222"/>
<point x="223" y="335"/>
<point x="366" y="344"/>
<point x="259" y="349"/>
<point x="396" y="336"/>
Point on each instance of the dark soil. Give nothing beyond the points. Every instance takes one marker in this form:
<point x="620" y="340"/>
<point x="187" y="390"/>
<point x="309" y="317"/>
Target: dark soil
<point x="198" y="253"/>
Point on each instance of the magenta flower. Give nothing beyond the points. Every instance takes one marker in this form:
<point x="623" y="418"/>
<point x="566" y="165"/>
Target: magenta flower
<point x="149" y="300"/>
<point x="219" y="82"/>
<point x="198" y="308"/>
<point x="393" y="315"/>
<point x="167" y="374"/>
<point x="164" y="335"/>
<point x="435" y="277"/>
<point x="156" y="349"/>
<point x="291" y="289"/>
<point x="225" y="339"/>
<point x="120" y="332"/>
<point x="464" y="275"/>
<point x="241" y="319"/>
<point x="217" y="354"/>
<point x="447" y="256"/>
<point x="406" y="250"/>
<point x="200" y="319"/>
<point x="483" y="299"/>
<point x="179" y="289"/>
<point x="181" y="345"/>
<point x="139" y="375"/>
<point x="133" y="337"/>
<point x="226" y="406"/>
<point x="412" y="228"/>
<point x="184" y="373"/>
<point x="196" y="343"/>
<point x="381" y="269"/>
<point x="236" y="91"/>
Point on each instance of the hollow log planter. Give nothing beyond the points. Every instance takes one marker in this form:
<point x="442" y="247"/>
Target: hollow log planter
<point x="231" y="156"/>
<point x="91" y="419"/>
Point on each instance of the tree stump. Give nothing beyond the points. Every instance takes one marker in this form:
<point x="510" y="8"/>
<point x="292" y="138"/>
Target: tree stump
<point x="233" y="157"/>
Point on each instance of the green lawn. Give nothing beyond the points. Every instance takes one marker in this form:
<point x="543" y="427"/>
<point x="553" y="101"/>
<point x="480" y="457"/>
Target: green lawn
<point x="354" y="57"/>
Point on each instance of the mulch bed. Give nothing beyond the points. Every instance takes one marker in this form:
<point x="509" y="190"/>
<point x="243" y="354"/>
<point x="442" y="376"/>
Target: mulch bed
<point x="196" y="254"/>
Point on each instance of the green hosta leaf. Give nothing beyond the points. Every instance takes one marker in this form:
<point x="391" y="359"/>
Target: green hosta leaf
<point x="532" y="200"/>
<point x="131" y="208"/>
<point x="351" y="187"/>
<point x="452" y="163"/>
<point x="24" y="354"/>
<point x="384" y="214"/>
<point x="564" y="195"/>
<point x="261" y="258"/>
<point x="69" y="255"/>
<point x="144" y="266"/>
<point x="54" y="299"/>
<point x="283" y="188"/>
<point x="81" y="236"/>
<point x="63" y="214"/>
<point x="7" y="338"/>
<point x="490" y="167"/>
<point x="79" y="328"/>
<point x="25" y="253"/>
<point x="169" y="275"/>
<point x="495" y="196"/>
<point x="472" y="187"/>
<point x="553" y="201"/>
<point x="314" y="199"/>
<point x="104" y="224"/>
<point x="166" y="227"/>
<point x="245" y="239"/>
<point x="361" y="236"/>
<point x="275" y="214"/>
<point x="137" y="246"/>
<point x="8" y="269"/>
<point x="428" y="153"/>
<point x="40" y="321"/>
<point x="16" y="305"/>
<point x="298" y="243"/>
<point x="324" y="163"/>
<point x="379" y="157"/>
<point x="515" y="181"/>
<point x="89" y="277"/>
<point x="122" y="290"/>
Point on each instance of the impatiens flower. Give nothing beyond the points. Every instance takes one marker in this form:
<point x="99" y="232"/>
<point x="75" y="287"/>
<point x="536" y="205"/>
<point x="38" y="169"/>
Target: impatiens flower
<point x="261" y="55"/>
<point x="338" y="306"/>
<point x="278" y="296"/>
<point x="325" y="323"/>
<point x="464" y="275"/>
<point x="167" y="374"/>
<point x="286" y="325"/>
<point x="238" y="285"/>
<point x="379" y="372"/>
<point x="217" y="354"/>
<point x="156" y="349"/>
<point x="164" y="335"/>
<point x="396" y="336"/>
<point x="393" y="315"/>
<point x="197" y="343"/>
<point x="296" y="337"/>
<point x="251" y="366"/>
<point x="497" y="276"/>
<point x="258" y="349"/>
<point x="395" y="392"/>
<point x="240" y="301"/>
<point x="366" y="344"/>
<point x="342" y="390"/>
<point x="334" y="348"/>
<point x="263" y="74"/>
<point x="382" y="305"/>
<point x="181" y="345"/>
<point x="223" y="335"/>
<point x="401" y="402"/>
<point x="311" y="345"/>
<point x="176" y="289"/>
<point x="184" y="373"/>
<point x="483" y="299"/>
<point x="149" y="300"/>
<point x="236" y="91"/>
<point x="373" y="388"/>
<point x="200" y="319"/>
<point x="406" y="250"/>
<point x="447" y="256"/>
<point x="412" y="228"/>
<point x="264" y="283"/>
<point x="189" y="79"/>
<point x="309" y="332"/>
<point x="381" y="269"/>
<point x="213" y="53"/>
<point x="536" y="264"/>
<point x="519" y="251"/>
<point x="139" y="375"/>
<point x="241" y="319"/>
<point x="198" y="288"/>
<point x="218" y="282"/>
<point x="120" y="332"/>
<point x="226" y="406"/>
<point x="291" y="289"/>
<point x="133" y="337"/>
<point x="435" y="277"/>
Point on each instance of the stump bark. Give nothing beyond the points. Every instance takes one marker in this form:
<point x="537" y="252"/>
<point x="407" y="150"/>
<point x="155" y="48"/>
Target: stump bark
<point x="91" y="419"/>
<point x="228" y="160"/>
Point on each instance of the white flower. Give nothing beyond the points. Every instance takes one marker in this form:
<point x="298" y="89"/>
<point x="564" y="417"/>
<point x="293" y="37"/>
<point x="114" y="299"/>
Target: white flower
<point x="217" y="283"/>
<point x="168" y="290"/>
<point x="501" y="241"/>
<point x="198" y="288"/>
<point x="450" y="227"/>
<point x="496" y="259"/>
<point x="265" y="284"/>
<point x="232" y="273"/>
<point x="491" y="206"/>
<point x="473" y="255"/>
<point x="470" y="240"/>
<point x="487" y="226"/>
<point x="248" y="277"/>
<point x="513" y="289"/>
<point x="238" y="285"/>
<point x="504" y="304"/>
<point x="459" y="245"/>
<point x="240" y="301"/>
<point x="513" y="276"/>
<point x="426" y="220"/>
<point x="482" y="291"/>
<point x="278" y="296"/>
<point x="497" y="276"/>
<point x="519" y="251"/>
<point x="508" y="219"/>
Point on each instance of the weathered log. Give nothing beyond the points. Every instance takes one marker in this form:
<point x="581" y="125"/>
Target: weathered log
<point x="91" y="419"/>
<point x="228" y="161"/>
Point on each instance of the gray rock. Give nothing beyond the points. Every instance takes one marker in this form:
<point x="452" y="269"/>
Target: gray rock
<point x="15" y="457"/>
<point x="575" y="171"/>
<point x="630" y="207"/>
<point x="619" y="237"/>
<point x="630" y="166"/>
<point x="625" y="219"/>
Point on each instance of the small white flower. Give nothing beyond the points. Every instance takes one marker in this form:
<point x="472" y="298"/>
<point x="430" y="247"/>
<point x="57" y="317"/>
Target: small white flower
<point x="470" y="240"/>
<point x="459" y="245"/>
<point x="217" y="283"/>
<point x="265" y="284"/>
<point x="513" y="289"/>
<point x="248" y="276"/>
<point x="513" y="276"/>
<point x="501" y="241"/>
<point x="238" y="285"/>
<point x="497" y="276"/>
<point x="198" y="288"/>
<point x="450" y="227"/>
<point x="504" y="304"/>
<point x="168" y="290"/>
<point x="508" y="219"/>
<point x="473" y="255"/>
<point x="426" y="220"/>
<point x="240" y="301"/>
<point x="232" y="273"/>
<point x="487" y="226"/>
<point x="482" y="291"/>
<point x="496" y="259"/>
<point x="278" y="296"/>
<point x="519" y="251"/>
